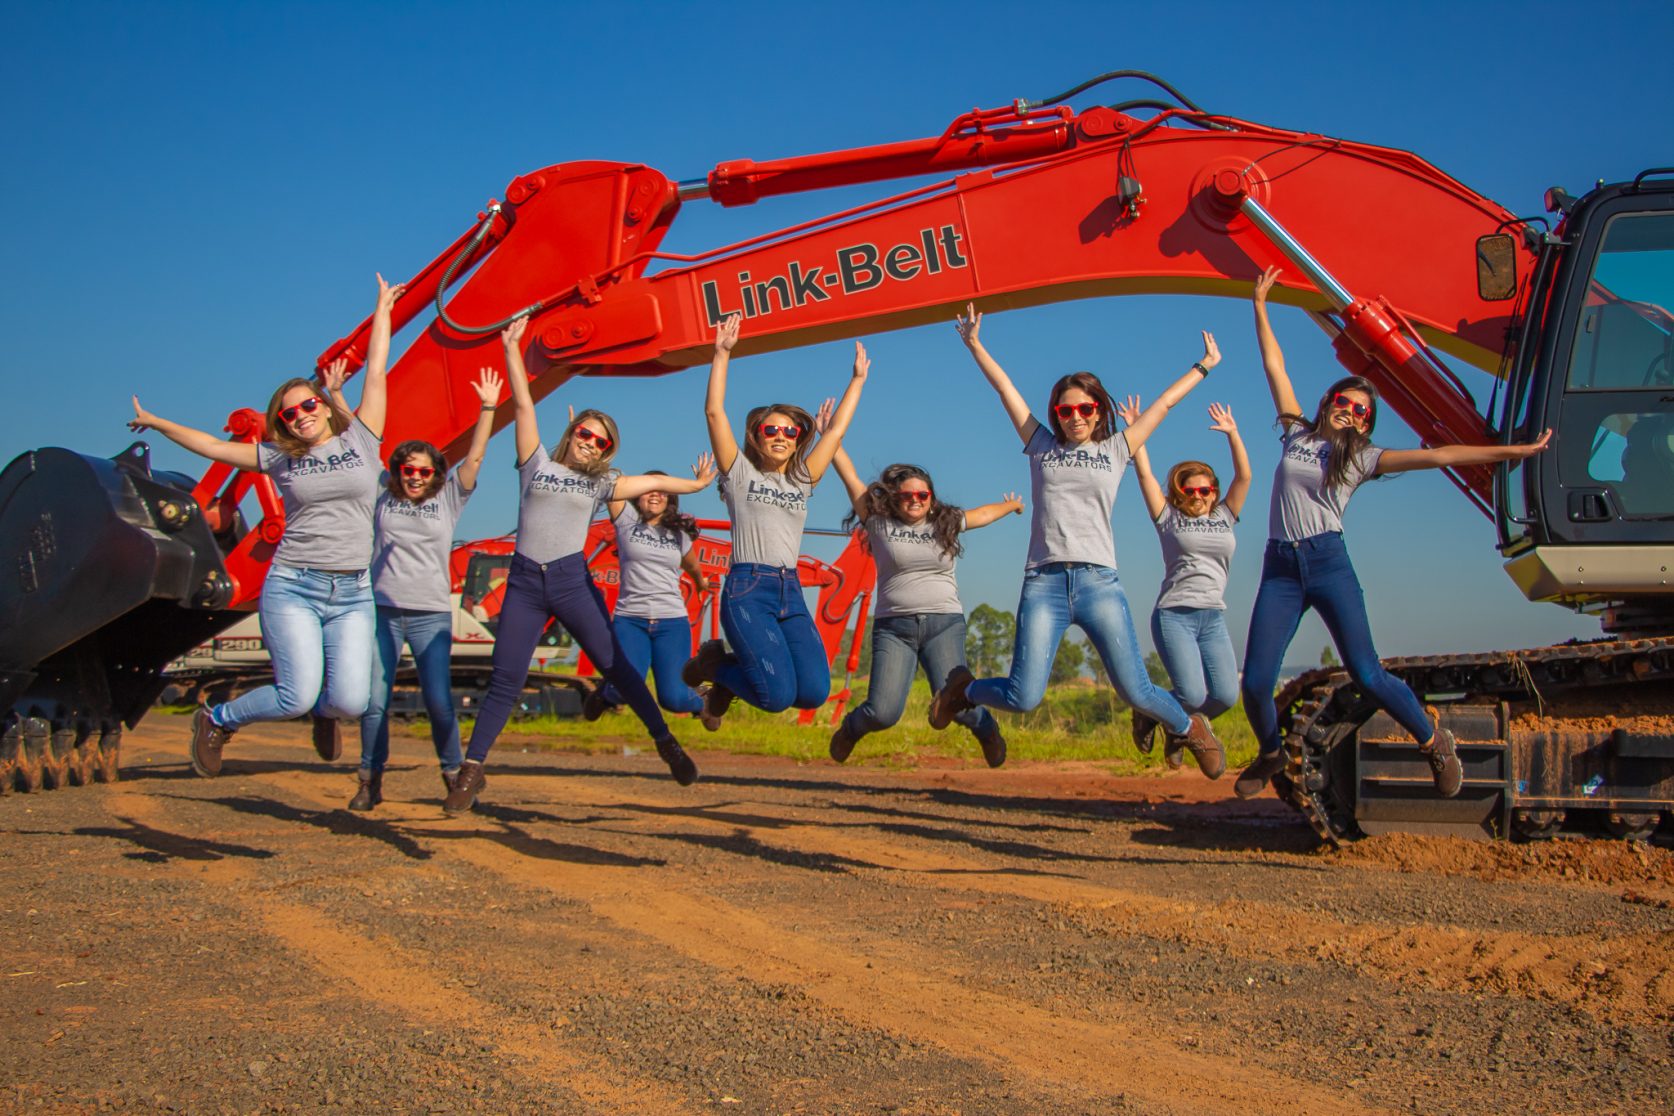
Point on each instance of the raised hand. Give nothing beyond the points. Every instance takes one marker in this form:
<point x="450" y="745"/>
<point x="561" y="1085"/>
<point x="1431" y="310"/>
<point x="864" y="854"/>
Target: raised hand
<point x="487" y="387"/>
<point x="822" y="417"/>
<point x="726" y="334"/>
<point x="143" y="419"/>
<point x="1222" y="416"/>
<point x="1211" y="351"/>
<point x="968" y="324"/>
<point x="862" y="362"/>
<point x="1129" y="411"/>
<point x="1265" y="283"/>
<point x="334" y="375"/>
<point x="1529" y="449"/>
<point x="704" y="468"/>
<point x="1014" y="500"/>
<point x="388" y="293"/>
<point x="512" y="335"/>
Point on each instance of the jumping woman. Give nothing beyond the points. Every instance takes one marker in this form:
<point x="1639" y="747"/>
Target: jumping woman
<point x="777" y="659"/>
<point x="548" y="579"/>
<point x="316" y="607"/>
<point x="1307" y="565"/>
<point x="1188" y="625"/>
<point x="1076" y="460"/>
<point x="915" y="540"/>
<point x="653" y="545"/>
<point x="412" y="588"/>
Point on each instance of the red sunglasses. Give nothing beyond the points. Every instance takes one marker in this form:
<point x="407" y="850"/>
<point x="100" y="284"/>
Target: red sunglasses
<point x="773" y="430"/>
<point x="1195" y="490"/>
<point x="1343" y="403"/>
<point x="307" y="407"/>
<point x="422" y="472"/>
<point x="587" y="435"/>
<point x="1085" y="410"/>
<point x="913" y="497"/>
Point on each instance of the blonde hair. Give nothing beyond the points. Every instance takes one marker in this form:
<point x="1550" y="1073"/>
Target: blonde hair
<point x="279" y="431"/>
<point x="600" y="464"/>
<point x="1177" y="477"/>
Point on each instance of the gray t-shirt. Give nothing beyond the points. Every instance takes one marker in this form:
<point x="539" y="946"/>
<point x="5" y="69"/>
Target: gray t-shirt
<point x="328" y="493"/>
<point x="768" y="511"/>
<point x="557" y="507"/>
<point x="1197" y="555"/>
<point x="412" y="546"/>
<point x="649" y="560"/>
<point x="1302" y="505"/>
<point x="1074" y="489"/>
<point x="915" y="575"/>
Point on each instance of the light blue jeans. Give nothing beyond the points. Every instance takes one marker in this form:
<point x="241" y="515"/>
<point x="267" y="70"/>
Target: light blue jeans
<point x="318" y="630"/>
<point x="1202" y="663"/>
<point x="430" y="635"/>
<point x="1055" y="596"/>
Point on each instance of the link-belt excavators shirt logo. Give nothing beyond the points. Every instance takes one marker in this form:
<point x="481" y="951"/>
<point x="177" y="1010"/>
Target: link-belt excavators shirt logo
<point x="1197" y="555"/>
<point x="328" y="493"/>
<point x="1302" y="504"/>
<point x="412" y="547"/>
<point x="855" y="268"/>
<point x="915" y="575"/>
<point x="649" y="561"/>
<point x="768" y="511"/>
<point x="1074" y="489"/>
<point x="557" y="507"/>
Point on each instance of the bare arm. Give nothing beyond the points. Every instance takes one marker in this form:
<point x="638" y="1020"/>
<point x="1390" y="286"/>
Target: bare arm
<point x="1404" y="461"/>
<point x="852" y="483"/>
<point x="969" y="325"/>
<point x="819" y="458"/>
<point x="715" y="402"/>
<point x="1272" y="357"/>
<point x="1241" y="475"/>
<point x="240" y="455"/>
<point x="1148" y="486"/>
<point x="985" y="514"/>
<point x="689" y="562"/>
<point x="374" y="392"/>
<point x="1141" y="428"/>
<point x="488" y="387"/>
<point x="517" y="375"/>
<point x="632" y="488"/>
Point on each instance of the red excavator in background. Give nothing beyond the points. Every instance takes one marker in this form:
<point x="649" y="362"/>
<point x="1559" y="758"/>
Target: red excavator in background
<point x="111" y="570"/>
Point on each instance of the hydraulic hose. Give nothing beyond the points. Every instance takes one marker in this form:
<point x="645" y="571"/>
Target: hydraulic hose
<point x="1113" y="75"/>
<point x="453" y="268"/>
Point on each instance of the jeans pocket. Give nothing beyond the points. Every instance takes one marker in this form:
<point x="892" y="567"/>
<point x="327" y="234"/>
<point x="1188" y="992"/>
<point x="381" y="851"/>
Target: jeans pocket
<point x="739" y="585"/>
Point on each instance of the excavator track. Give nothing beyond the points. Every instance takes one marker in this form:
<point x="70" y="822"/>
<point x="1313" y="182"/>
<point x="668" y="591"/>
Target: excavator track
<point x="1579" y="734"/>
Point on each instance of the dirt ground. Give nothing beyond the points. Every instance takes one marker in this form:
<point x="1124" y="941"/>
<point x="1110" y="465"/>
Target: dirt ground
<point x="800" y="938"/>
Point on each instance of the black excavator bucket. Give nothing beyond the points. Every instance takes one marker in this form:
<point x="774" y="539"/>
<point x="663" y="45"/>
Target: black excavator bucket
<point x="108" y="572"/>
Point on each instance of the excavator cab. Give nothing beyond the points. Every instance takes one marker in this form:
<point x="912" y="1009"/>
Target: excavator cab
<point x="1591" y="524"/>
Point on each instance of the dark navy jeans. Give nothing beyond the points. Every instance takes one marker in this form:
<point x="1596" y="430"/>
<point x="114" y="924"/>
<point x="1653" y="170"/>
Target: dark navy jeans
<point x="1316" y="573"/>
<point x="662" y="647"/>
<point x="561" y="590"/>
<point x="777" y="659"/>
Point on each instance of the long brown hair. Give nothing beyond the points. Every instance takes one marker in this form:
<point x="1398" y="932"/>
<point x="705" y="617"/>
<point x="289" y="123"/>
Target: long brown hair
<point x="404" y="453"/>
<point x="279" y="432"/>
<point x="797" y="467"/>
<point x="946" y="520"/>
<point x="1177" y="477"/>
<point x="1089" y="383"/>
<point x="1347" y="444"/>
<point x="672" y="515"/>
<point x="600" y="464"/>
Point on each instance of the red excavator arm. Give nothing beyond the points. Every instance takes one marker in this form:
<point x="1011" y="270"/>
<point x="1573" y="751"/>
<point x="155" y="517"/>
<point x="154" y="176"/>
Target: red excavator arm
<point x="1069" y="206"/>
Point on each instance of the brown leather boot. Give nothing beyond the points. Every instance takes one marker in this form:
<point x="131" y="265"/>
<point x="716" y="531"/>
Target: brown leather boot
<point x="1254" y="778"/>
<point x="1144" y="731"/>
<point x="328" y="739"/>
<point x="700" y="668"/>
<point x="993" y="743"/>
<point x="716" y="701"/>
<point x="1199" y="740"/>
<point x="950" y="700"/>
<point x="466" y="785"/>
<point x="208" y="739"/>
<point x="371" y="791"/>
<point x="1443" y="757"/>
<point x="842" y="742"/>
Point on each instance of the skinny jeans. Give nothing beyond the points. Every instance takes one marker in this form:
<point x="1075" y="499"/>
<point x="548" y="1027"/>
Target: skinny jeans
<point x="776" y="659"/>
<point x="900" y="645"/>
<point x="317" y="627"/>
<point x="1197" y="650"/>
<point x="662" y="647"/>
<point x="430" y="635"/>
<point x="1316" y="573"/>
<point x="1056" y="595"/>
<point x="561" y="590"/>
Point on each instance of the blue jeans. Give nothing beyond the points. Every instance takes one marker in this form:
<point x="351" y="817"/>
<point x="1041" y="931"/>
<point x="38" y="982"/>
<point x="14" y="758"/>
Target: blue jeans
<point x="777" y="659"/>
<point x="1055" y="596"/>
<point x="1316" y="573"/>
<point x="318" y="630"/>
<point x="430" y="635"/>
<point x="899" y="645"/>
<point x="1197" y="650"/>
<point x="661" y="646"/>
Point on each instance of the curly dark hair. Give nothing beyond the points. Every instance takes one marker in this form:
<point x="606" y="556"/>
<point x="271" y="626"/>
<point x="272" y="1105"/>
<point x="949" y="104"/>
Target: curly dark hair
<point x="1089" y="383"/>
<point x="1347" y="444"/>
<point x="672" y="515"/>
<point x="404" y="453"/>
<point x="797" y="468"/>
<point x="946" y="520"/>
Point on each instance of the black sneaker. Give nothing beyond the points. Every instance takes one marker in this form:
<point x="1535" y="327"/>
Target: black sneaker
<point x="1144" y="731"/>
<point x="842" y="742"/>
<point x="1254" y="778"/>
<point x="1443" y="757"/>
<point x="328" y="739"/>
<point x="716" y="701"/>
<point x="595" y="704"/>
<point x="680" y="765"/>
<point x="208" y="738"/>
<point x="993" y="744"/>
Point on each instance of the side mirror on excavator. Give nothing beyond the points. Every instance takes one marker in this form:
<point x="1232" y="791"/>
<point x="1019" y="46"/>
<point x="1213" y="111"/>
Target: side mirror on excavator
<point x="1496" y="267"/>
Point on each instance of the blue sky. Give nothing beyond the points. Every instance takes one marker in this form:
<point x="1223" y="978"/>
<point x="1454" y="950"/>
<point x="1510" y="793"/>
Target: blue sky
<point x="200" y="194"/>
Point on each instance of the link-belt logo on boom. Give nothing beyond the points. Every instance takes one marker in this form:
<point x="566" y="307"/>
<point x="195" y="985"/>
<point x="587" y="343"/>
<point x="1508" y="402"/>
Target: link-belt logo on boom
<point x="860" y="267"/>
